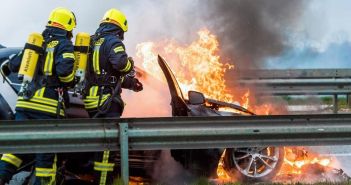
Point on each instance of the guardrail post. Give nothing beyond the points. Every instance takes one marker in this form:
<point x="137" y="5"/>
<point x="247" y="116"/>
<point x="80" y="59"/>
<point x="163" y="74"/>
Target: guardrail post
<point x="335" y="102"/>
<point x="348" y="99"/>
<point x="123" y="140"/>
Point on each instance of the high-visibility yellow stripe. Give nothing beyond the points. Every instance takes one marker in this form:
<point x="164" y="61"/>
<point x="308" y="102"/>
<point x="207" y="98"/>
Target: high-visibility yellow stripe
<point x="94" y="90"/>
<point x="91" y="101"/>
<point x="37" y="93"/>
<point x="68" y="55"/>
<point x="104" y="167"/>
<point x="98" y="166"/>
<point x="41" y="100"/>
<point x="49" y="61"/>
<point x="96" y="60"/>
<point x="68" y="78"/>
<point x="48" y="172"/>
<point x="118" y="49"/>
<point x="96" y="56"/>
<point x="38" y="107"/>
<point x="12" y="159"/>
<point x="92" y="104"/>
<point x="128" y="66"/>
<point x="95" y="98"/>
<point x="41" y="93"/>
<point x="45" y="172"/>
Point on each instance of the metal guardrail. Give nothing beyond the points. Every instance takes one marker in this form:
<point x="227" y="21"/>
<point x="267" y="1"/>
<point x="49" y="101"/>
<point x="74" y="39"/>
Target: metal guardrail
<point x="37" y="136"/>
<point x="172" y="133"/>
<point x="295" y="73"/>
<point x="299" y="82"/>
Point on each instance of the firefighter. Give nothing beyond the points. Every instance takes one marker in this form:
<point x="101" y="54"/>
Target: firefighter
<point x="110" y="70"/>
<point x="45" y="96"/>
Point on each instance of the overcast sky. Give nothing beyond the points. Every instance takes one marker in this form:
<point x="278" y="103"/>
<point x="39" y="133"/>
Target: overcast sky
<point x="323" y="22"/>
<point x="147" y="18"/>
<point x="326" y="21"/>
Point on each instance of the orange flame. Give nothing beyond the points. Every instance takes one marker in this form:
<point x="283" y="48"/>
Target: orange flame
<point x="197" y="66"/>
<point x="296" y="158"/>
<point x="221" y="173"/>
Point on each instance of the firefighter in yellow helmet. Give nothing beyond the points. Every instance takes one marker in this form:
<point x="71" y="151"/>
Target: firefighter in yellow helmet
<point x="111" y="70"/>
<point x="44" y="97"/>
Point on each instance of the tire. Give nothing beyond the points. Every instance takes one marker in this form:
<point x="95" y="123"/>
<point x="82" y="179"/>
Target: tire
<point x="266" y="160"/>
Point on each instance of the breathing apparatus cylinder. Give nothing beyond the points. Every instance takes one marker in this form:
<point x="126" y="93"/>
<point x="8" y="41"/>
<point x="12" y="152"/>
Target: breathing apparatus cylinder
<point x="81" y="54"/>
<point x="29" y="62"/>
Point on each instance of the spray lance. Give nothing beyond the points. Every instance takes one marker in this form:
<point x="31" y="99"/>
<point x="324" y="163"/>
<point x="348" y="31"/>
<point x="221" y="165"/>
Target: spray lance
<point x="28" y="68"/>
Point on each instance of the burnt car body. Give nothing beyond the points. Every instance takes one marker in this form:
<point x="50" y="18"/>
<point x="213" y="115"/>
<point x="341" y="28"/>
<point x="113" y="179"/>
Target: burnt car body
<point x="245" y="164"/>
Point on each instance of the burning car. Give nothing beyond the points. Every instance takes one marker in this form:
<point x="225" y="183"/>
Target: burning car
<point x="245" y="164"/>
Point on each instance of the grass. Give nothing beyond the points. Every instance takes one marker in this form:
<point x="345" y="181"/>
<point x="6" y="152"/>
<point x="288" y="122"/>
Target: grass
<point x="326" y="100"/>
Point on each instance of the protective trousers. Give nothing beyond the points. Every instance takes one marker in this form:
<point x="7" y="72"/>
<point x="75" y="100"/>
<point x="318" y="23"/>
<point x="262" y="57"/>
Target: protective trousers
<point x="103" y="161"/>
<point x="45" y="164"/>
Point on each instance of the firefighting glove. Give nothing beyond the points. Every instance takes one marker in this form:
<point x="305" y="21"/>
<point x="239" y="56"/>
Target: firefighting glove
<point x="132" y="73"/>
<point x="137" y="86"/>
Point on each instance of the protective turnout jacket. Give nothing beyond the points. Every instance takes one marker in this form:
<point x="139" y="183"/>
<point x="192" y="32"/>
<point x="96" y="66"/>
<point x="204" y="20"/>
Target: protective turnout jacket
<point x="109" y="62"/>
<point x="55" y="70"/>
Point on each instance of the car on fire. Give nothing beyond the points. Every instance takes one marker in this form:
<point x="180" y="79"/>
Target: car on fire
<point x="245" y="164"/>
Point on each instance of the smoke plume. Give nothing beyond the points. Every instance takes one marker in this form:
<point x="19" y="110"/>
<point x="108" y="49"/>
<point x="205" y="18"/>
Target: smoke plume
<point x="250" y="30"/>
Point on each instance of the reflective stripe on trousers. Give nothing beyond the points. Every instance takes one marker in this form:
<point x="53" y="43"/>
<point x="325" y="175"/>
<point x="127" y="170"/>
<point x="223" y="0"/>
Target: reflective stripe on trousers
<point x="104" y="167"/>
<point x="42" y="174"/>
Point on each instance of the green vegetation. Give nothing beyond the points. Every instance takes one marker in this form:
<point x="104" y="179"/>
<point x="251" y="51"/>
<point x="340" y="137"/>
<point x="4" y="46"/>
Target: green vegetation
<point x="323" y="100"/>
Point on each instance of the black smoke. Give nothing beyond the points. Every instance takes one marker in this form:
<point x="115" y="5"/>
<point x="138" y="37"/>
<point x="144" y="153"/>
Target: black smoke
<point x="251" y="30"/>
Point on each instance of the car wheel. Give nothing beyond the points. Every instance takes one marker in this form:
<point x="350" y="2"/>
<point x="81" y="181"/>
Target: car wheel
<point x="253" y="164"/>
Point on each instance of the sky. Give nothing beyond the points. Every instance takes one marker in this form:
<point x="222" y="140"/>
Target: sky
<point x="321" y="40"/>
<point x="147" y="18"/>
<point x="323" y="25"/>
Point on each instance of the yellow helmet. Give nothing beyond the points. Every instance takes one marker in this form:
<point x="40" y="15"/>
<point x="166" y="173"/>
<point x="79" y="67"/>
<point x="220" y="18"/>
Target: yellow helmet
<point x="62" y="18"/>
<point x="116" y="17"/>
